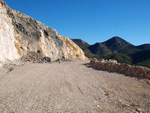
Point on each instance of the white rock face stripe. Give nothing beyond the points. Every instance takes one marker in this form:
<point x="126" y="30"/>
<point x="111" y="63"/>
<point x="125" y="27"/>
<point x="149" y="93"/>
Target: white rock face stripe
<point x="8" y="50"/>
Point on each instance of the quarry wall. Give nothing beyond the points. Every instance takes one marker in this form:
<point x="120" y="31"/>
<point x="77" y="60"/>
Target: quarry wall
<point x="21" y="34"/>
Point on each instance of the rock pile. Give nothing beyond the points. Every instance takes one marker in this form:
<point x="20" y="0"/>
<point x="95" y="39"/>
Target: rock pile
<point x="113" y="66"/>
<point x="35" y="58"/>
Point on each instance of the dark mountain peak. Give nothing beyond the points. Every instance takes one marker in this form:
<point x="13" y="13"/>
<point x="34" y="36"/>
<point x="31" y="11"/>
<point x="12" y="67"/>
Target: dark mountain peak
<point x="116" y="43"/>
<point x="118" y="49"/>
<point x="116" y="39"/>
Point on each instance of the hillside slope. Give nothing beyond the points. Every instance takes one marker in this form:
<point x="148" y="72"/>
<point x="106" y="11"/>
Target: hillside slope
<point x="21" y="34"/>
<point x="99" y="49"/>
<point x="144" y="46"/>
<point x="120" y="50"/>
<point x="84" y="46"/>
<point x="116" y="43"/>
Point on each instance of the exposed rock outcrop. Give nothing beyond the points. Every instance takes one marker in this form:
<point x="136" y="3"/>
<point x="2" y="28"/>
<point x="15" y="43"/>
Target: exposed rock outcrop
<point x="113" y="66"/>
<point x="21" y="34"/>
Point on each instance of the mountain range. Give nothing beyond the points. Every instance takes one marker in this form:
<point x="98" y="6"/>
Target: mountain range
<point x="118" y="49"/>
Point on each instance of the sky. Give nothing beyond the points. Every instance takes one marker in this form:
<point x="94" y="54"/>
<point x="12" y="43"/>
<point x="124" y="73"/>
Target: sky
<point x="91" y="20"/>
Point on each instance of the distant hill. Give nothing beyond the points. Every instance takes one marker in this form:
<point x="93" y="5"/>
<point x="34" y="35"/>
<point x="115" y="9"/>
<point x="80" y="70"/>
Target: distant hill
<point x="118" y="49"/>
<point x="81" y="43"/>
<point x="141" y="58"/>
<point x="84" y="46"/>
<point x="116" y="43"/>
<point x="129" y="50"/>
<point x="99" y="49"/>
<point x="144" y="46"/>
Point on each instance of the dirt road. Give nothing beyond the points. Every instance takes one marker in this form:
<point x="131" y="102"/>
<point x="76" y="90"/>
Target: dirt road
<point x="71" y="87"/>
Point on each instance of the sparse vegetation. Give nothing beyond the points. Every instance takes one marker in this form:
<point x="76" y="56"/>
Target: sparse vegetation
<point x="118" y="49"/>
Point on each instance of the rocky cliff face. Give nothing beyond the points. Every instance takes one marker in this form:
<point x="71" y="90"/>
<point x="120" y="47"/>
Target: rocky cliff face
<point x="21" y="34"/>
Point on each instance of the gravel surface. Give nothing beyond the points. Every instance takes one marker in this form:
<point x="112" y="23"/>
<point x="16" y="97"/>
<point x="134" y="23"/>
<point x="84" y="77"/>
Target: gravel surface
<point x="70" y="87"/>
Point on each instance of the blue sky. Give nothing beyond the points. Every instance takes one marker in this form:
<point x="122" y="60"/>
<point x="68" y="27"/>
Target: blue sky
<point x="91" y="20"/>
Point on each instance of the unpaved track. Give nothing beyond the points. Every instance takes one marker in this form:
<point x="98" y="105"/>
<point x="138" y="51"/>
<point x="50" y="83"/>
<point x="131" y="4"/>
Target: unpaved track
<point x="71" y="87"/>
